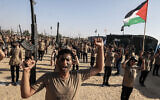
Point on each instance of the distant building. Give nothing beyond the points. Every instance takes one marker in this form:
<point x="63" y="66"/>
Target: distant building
<point x="136" y="40"/>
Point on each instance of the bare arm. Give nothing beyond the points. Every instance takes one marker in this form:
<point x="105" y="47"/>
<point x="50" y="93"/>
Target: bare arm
<point x="100" y="57"/>
<point x="124" y="64"/>
<point x="123" y="58"/>
<point x="26" y="90"/>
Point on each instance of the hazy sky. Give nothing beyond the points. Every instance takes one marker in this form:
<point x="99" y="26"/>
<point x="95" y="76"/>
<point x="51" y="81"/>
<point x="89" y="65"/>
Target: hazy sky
<point x="79" y="17"/>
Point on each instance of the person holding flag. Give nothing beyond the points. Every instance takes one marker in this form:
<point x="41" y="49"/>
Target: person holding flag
<point x="135" y="16"/>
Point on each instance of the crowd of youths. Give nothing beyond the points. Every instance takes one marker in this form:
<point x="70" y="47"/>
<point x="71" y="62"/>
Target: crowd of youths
<point x="79" y="50"/>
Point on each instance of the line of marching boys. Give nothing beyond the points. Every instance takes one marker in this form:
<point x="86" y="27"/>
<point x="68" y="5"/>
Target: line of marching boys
<point x="9" y="45"/>
<point x="118" y="57"/>
<point x="126" y="58"/>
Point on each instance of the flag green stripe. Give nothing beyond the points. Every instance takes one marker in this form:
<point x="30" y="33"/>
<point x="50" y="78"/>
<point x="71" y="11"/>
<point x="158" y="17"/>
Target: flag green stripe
<point x="134" y="21"/>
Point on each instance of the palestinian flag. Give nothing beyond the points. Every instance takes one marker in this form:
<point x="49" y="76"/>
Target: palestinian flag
<point x="137" y="15"/>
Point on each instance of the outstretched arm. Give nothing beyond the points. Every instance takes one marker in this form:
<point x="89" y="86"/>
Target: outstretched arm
<point x="124" y="63"/>
<point x="26" y="90"/>
<point x="100" y="57"/>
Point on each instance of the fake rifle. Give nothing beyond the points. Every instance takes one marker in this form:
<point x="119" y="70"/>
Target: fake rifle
<point x="32" y="47"/>
<point x="20" y="30"/>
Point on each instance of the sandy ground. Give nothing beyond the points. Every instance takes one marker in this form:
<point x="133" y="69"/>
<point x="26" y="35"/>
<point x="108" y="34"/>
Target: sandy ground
<point x="91" y="89"/>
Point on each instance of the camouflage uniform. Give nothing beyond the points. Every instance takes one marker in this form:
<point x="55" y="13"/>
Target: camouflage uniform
<point x="41" y="50"/>
<point x="15" y="60"/>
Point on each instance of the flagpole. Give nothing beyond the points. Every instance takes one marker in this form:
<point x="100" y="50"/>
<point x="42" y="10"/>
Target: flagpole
<point x="144" y="36"/>
<point x="145" y="28"/>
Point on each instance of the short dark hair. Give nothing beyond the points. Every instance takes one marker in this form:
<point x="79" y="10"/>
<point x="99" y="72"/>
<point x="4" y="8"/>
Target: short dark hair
<point x="133" y="59"/>
<point x="65" y="51"/>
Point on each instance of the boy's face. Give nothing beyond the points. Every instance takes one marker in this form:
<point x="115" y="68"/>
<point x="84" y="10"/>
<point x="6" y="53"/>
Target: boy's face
<point x="132" y="62"/>
<point x="64" y="63"/>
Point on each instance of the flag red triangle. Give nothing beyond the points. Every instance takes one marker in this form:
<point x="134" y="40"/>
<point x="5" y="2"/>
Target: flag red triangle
<point x="143" y="11"/>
